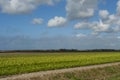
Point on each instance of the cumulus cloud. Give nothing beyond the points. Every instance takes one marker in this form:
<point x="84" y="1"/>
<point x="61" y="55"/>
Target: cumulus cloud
<point x="112" y="19"/>
<point x="104" y="14"/>
<point x="82" y="25"/>
<point x="37" y="21"/>
<point x="22" y="6"/>
<point x="103" y="25"/>
<point x="57" y="22"/>
<point x="108" y="23"/>
<point x="79" y="9"/>
<point x="118" y="7"/>
<point x="95" y="26"/>
<point x="114" y="22"/>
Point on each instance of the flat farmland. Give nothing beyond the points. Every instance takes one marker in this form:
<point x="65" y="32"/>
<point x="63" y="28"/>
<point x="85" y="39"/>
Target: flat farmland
<point x="18" y="63"/>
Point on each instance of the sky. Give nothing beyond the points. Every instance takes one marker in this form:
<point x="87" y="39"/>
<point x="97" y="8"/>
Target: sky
<point x="59" y="24"/>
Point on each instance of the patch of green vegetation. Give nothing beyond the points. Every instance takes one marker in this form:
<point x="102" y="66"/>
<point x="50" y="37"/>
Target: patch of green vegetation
<point x="115" y="77"/>
<point x="105" y="73"/>
<point x="24" y="63"/>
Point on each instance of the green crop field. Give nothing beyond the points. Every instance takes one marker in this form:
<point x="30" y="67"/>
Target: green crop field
<point x="18" y="63"/>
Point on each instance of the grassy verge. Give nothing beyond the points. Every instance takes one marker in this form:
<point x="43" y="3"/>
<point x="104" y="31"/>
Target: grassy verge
<point x="106" y="73"/>
<point x="24" y="63"/>
<point x="115" y="77"/>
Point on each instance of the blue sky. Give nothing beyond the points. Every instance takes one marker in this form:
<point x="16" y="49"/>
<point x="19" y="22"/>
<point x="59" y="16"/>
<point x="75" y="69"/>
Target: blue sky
<point x="55" y="24"/>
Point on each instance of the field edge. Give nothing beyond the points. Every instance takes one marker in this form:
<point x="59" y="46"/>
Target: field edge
<point x="44" y="74"/>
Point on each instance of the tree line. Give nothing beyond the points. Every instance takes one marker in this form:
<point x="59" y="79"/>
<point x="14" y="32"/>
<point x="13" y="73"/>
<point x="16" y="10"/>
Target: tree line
<point x="62" y="50"/>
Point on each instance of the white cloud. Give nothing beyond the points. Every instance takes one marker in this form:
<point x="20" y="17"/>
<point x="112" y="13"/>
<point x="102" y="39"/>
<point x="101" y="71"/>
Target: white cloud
<point x="118" y="7"/>
<point x="82" y="25"/>
<point x="79" y="9"/>
<point x="57" y="22"/>
<point x="101" y="27"/>
<point x="112" y="19"/>
<point x="114" y="22"/>
<point x="104" y="14"/>
<point x="108" y="23"/>
<point x="81" y="35"/>
<point x="37" y="21"/>
<point x="22" y="6"/>
<point x="96" y="27"/>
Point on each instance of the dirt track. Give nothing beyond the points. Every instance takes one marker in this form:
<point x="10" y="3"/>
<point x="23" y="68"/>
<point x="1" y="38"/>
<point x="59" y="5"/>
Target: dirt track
<point x="42" y="73"/>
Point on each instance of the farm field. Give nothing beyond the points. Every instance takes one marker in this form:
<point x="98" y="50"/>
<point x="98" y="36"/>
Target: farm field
<point x="18" y="63"/>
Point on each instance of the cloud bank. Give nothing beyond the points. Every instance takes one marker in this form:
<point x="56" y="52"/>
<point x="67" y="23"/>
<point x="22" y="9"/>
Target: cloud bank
<point x="61" y="42"/>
